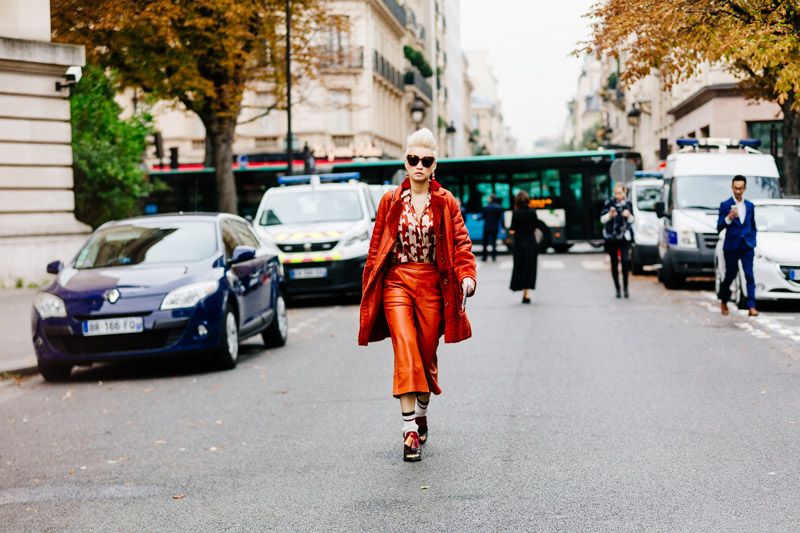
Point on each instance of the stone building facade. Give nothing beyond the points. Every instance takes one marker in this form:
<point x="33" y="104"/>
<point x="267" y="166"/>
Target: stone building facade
<point x="37" y="224"/>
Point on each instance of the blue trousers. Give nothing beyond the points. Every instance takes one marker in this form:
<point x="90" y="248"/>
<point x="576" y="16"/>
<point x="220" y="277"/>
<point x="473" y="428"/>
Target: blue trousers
<point x="732" y="258"/>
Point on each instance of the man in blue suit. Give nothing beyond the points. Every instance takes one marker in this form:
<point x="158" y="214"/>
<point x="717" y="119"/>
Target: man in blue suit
<point x="738" y="217"/>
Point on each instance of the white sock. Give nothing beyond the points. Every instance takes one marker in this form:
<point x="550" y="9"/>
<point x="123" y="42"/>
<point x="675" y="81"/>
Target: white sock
<point x="409" y="423"/>
<point x="421" y="408"/>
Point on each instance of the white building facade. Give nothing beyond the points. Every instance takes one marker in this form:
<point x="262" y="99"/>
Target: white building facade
<point x="37" y="224"/>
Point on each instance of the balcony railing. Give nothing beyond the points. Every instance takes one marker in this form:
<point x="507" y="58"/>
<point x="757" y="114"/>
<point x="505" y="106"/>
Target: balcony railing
<point x="414" y="78"/>
<point x="341" y="58"/>
<point x="397" y="10"/>
<point x="385" y="70"/>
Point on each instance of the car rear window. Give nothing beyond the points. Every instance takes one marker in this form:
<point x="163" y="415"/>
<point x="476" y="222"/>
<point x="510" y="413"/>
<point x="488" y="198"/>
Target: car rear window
<point x="134" y="244"/>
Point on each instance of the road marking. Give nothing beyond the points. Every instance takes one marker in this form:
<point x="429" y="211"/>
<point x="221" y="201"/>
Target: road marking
<point x="594" y="265"/>
<point x="552" y="264"/>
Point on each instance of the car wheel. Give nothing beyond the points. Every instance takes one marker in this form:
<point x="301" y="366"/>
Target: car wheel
<point x="54" y="372"/>
<point x="228" y="352"/>
<point x="278" y="331"/>
<point x="562" y="248"/>
<point x="636" y="266"/>
<point x="668" y="276"/>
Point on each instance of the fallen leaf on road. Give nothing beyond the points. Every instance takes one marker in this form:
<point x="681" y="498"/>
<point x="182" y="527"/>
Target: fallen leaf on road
<point x="425" y="487"/>
<point x="218" y="421"/>
<point x="67" y="395"/>
<point x="149" y="389"/>
<point x="159" y="442"/>
<point x="179" y="496"/>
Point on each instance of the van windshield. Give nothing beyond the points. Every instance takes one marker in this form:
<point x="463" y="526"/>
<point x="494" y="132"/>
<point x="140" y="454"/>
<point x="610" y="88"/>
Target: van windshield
<point x="647" y="196"/>
<point x="707" y="192"/>
<point x="305" y="206"/>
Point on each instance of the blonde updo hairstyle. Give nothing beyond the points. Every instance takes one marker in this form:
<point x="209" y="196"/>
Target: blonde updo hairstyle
<point x="422" y="138"/>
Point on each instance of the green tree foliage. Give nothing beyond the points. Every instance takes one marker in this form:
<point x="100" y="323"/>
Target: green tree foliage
<point x="107" y="151"/>
<point x="758" y="40"/>
<point x="418" y="60"/>
<point x="202" y="53"/>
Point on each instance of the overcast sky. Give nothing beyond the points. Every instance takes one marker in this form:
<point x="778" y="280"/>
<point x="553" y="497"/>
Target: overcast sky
<point x="529" y="43"/>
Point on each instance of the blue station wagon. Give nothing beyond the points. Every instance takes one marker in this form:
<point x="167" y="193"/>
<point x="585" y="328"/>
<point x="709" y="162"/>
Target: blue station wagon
<point x="151" y="287"/>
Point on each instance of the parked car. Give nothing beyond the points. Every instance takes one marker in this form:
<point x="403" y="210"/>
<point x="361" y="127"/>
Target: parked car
<point x="695" y="182"/>
<point x="158" y="286"/>
<point x="776" y="266"/>
<point x="645" y="191"/>
<point x="321" y="231"/>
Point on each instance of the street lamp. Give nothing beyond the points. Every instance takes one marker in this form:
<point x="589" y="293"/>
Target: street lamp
<point x="417" y="111"/>
<point x="634" y="116"/>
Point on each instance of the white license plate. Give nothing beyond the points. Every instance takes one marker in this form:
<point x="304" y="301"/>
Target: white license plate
<point x="308" y="273"/>
<point x="794" y="274"/>
<point x="113" y="326"/>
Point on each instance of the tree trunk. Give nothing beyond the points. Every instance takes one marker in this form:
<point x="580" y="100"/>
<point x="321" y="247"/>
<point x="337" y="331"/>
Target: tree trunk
<point x="219" y="140"/>
<point x="790" y="130"/>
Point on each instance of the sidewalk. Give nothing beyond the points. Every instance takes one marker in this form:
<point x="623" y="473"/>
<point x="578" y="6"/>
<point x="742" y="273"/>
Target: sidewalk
<point x="16" y="349"/>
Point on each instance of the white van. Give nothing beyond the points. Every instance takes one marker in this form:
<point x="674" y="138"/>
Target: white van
<point x="644" y="191"/>
<point x="321" y="232"/>
<point x="696" y="181"/>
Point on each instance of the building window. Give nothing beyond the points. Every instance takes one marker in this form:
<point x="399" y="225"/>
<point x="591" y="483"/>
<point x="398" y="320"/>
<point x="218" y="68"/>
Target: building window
<point x="198" y="144"/>
<point x="339" y="111"/>
<point x="761" y="131"/>
<point x="342" y="141"/>
<point x="705" y="132"/>
<point x="267" y="143"/>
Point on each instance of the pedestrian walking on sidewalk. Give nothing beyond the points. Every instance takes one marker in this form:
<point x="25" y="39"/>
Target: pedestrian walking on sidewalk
<point x="737" y="217"/>
<point x="492" y="215"/>
<point x="418" y="274"/>
<point x="525" y="248"/>
<point x="617" y="219"/>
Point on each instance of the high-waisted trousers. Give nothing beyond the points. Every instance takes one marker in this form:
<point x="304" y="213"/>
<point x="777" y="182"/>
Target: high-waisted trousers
<point x="412" y="302"/>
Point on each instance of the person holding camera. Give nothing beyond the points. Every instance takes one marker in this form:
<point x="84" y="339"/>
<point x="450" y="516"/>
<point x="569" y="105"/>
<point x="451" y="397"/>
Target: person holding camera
<point x="617" y="219"/>
<point x="737" y="217"/>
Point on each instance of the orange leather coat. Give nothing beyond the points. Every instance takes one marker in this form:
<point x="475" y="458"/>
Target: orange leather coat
<point x="454" y="261"/>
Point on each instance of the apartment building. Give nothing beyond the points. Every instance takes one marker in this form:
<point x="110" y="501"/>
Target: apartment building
<point x="649" y="119"/>
<point x="368" y="82"/>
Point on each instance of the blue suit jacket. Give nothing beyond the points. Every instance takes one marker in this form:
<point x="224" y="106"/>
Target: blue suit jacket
<point x="738" y="232"/>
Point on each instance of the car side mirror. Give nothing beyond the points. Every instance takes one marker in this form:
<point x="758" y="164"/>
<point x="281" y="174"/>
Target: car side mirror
<point x="242" y="254"/>
<point x="54" y="267"/>
<point x="660" y="209"/>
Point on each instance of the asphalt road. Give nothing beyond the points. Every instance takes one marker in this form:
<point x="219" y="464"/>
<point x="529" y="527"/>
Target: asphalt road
<point x="578" y="412"/>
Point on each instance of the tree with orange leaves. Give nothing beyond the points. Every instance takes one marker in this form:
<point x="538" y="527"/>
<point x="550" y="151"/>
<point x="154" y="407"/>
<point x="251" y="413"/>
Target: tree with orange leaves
<point x="203" y="53"/>
<point x="758" y="41"/>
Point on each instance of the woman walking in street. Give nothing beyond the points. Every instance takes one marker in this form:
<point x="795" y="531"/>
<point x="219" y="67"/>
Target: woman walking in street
<point x="617" y="218"/>
<point x="525" y="248"/>
<point x="417" y="277"/>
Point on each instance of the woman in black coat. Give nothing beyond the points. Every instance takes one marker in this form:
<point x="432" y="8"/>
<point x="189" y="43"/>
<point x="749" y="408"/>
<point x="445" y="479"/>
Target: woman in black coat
<point x="523" y="225"/>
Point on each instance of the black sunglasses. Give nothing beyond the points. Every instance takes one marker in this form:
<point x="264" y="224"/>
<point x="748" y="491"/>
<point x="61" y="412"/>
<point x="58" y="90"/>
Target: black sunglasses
<point x="413" y="160"/>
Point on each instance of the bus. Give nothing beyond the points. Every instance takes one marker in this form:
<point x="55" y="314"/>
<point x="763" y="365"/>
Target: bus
<point x="568" y="189"/>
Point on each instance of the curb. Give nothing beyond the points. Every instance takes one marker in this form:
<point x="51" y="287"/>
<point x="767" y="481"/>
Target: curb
<point x="24" y="371"/>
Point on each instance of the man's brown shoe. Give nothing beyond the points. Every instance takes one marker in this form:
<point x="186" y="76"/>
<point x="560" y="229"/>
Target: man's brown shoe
<point x="753" y="311"/>
<point x="723" y="307"/>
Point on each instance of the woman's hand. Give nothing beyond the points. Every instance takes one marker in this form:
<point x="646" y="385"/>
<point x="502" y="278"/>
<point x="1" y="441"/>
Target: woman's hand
<point x="612" y="212"/>
<point x="626" y="213"/>
<point x="468" y="286"/>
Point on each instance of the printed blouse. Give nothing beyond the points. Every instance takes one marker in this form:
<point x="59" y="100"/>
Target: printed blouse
<point x="415" y="238"/>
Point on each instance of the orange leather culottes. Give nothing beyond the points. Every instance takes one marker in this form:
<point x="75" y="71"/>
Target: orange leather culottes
<point x="412" y="302"/>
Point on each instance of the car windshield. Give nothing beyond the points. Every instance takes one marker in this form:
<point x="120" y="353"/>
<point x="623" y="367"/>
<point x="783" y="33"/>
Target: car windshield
<point x="646" y="197"/>
<point x="707" y="192"/>
<point x="303" y="207"/>
<point x="778" y="218"/>
<point x="141" y="243"/>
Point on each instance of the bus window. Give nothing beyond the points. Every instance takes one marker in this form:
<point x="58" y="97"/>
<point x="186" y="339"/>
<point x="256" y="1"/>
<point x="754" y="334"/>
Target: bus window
<point x="479" y="189"/>
<point x="551" y="183"/>
<point x="501" y="190"/>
